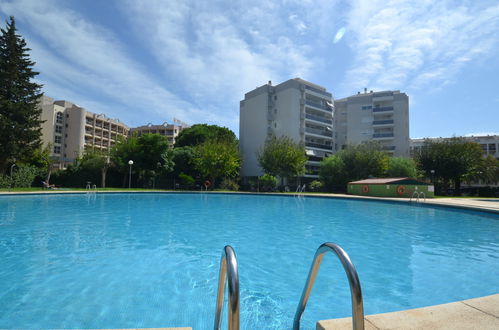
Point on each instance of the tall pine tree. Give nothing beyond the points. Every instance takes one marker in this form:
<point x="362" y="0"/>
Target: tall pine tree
<point x="20" y="115"/>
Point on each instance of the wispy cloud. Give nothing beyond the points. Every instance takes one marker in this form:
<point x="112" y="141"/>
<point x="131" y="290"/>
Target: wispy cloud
<point x="418" y="44"/>
<point x="221" y="50"/>
<point x="76" y="52"/>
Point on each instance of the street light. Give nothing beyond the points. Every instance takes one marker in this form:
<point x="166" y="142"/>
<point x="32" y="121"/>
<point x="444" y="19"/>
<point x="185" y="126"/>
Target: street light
<point x="432" y="173"/>
<point x="130" y="162"/>
<point x="11" y="168"/>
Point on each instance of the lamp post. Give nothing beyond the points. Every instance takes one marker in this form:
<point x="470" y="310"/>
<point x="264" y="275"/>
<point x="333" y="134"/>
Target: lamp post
<point x="432" y="173"/>
<point x="11" y="168"/>
<point x="130" y="162"/>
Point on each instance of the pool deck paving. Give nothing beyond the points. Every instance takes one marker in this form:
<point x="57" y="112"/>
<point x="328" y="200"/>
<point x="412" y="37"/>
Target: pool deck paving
<point x="478" y="313"/>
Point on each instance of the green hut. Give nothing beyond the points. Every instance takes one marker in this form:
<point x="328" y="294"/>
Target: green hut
<point x="390" y="187"/>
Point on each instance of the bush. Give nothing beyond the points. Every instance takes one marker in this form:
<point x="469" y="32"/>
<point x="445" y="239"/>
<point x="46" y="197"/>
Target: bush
<point x="229" y="184"/>
<point x="268" y="182"/>
<point x="316" y="185"/>
<point x="23" y="177"/>
<point x="5" y="181"/>
<point x="186" y="179"/>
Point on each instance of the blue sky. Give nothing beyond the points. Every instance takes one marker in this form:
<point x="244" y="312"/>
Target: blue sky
<point x="153" y="60"/>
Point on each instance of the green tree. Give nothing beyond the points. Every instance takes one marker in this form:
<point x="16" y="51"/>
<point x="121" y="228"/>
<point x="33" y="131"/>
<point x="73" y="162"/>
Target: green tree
<point x="20" y="124"/>
<point x="451" y="160"/>
<point x="183" y="158"/>
<point x="399" y="167"/>
<point x="97" y="161"/>
<point x="282" y="157"/>
<point x="200" y="133"/>
<point x="332" y="172"/>
<point x="150" y="154"/>
<point x="488" y="170"/>
<point x="217" y="159"/>
<point x="124" y="151"/>
<point x="353" y="163"/>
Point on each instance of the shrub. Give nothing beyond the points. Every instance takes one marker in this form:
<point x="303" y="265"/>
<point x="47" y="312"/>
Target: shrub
<point x="229" y="184"/>
<point x="186" y="179"/>
<point x="316" y="185"/>
<point x="23" y="177"/>
<point x="268" y="182"/>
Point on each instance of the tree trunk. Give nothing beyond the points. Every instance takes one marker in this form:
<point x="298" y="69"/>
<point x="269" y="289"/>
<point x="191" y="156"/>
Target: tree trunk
<point x="457" y="187"/>
<point x="103" y="177"/>
<point x="49" y="173"/>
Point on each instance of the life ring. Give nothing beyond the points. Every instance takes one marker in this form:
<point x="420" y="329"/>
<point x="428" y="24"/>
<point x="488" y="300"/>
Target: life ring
<point x="400" y="190"/>
<point x="365" y="189"/>
<point x="207" y="184"/>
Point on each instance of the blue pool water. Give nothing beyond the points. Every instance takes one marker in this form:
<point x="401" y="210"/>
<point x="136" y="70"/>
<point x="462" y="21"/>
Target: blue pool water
<point x="151" y="260"/>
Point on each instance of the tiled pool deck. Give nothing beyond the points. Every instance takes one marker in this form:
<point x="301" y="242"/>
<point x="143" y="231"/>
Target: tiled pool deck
<point x="479" y="313"/>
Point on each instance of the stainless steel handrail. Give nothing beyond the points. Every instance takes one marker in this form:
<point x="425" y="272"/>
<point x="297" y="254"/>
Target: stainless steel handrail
<point x="228" y="271"/>
<point x="353" y="280"/>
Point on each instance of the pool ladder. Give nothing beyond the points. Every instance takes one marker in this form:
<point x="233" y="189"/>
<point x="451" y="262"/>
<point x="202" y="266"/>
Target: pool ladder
<point x="228" y="272"/>
<point x="300" y="190"/>
<point x="417" y="196"/>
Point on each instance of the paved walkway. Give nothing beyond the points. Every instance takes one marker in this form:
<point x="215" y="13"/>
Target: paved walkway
<point x="480" y="313"/>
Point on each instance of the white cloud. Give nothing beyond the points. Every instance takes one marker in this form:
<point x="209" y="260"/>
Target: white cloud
<point x="222" y="52"/>
<point x="83" y="55"/>
<point x="418" y="44"/>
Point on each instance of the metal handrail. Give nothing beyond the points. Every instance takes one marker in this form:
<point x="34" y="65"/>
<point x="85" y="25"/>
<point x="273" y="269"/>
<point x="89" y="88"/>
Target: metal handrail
<point x="414" y="194"/>
<point x="418" y="196"/>
<point x="353" y="280"/>
<point x="228" y="271"/>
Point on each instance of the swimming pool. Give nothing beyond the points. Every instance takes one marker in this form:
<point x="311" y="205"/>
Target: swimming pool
<point x="151" y="260"/>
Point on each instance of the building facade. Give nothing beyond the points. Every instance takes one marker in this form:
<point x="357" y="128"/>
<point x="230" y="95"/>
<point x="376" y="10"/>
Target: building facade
<point x="170" y="131"/>
<point x="70" y="130"/>
<point x="379" y="116"/>
<point x="295" y="108"/>
<point x="489" y="144"/>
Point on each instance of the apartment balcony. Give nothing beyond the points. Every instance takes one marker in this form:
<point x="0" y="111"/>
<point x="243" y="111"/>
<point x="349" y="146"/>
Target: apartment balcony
<point x="319" y="119"/>
<point x="318" y="106"/>
<point x="319" y="146"/>
<point x="321" y="133"/>
<point x="318" y="91"/>
<point x="387" y="122"/>
<point x="383" y="109"/>
<point x="383" y="136"/>
<point x="381" y="97"/>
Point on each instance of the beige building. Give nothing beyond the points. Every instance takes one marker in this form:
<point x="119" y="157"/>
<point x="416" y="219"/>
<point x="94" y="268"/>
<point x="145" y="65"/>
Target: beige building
<point x="379" y="116"/>
<point x="170" y="131"/>
<point x="70" y="130"/>
<point x="295" y="108"/>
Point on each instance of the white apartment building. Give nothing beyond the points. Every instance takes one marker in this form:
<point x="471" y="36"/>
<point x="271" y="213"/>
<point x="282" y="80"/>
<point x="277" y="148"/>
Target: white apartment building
<point x="489" y="144"/>
<point x="70" y="129"/>
<point x="170" y="131"/>
<point x="295" y="108"/>
<point x="379" y="116"/>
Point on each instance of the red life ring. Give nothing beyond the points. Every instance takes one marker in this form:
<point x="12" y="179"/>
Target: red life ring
<point x="365" y="189"/>
<point x="207" y="184"/>
<point x="400" y="190"/>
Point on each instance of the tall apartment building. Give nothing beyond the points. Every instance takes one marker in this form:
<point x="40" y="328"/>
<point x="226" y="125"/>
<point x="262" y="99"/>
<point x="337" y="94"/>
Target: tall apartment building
<point x="170" y="131"/>
<point x="379" y="116"/>
<point x="295" y="108"/>
<point x="70" y="129"/>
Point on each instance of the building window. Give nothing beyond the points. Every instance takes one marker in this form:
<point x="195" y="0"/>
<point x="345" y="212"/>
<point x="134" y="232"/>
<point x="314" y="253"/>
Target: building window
<point x="57" y="149"/>
<point x="57" y="139"/>
<point x="58" y="129"/>
<point x="58" y="119"/>
<point x="367" y="107"/>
